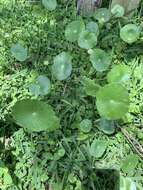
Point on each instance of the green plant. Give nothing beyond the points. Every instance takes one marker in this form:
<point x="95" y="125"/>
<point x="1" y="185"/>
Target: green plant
<point x="62" y="145"/>
<point x="62" y="66"/>
<point x="35" y="116"/>
<point x="19" y="52"/>
<point x="130" y="33"/>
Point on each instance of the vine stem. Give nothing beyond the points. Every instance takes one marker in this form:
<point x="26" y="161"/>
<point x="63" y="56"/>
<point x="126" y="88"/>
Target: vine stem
<point x="133" y="142"/>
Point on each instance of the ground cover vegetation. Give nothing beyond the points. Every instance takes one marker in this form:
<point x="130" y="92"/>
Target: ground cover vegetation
<point x="71" y="94"/>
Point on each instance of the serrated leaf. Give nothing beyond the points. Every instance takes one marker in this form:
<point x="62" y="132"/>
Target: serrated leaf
<point x="19" y="52"/>
<point x="62" y="66"/>
<point x="73" y="30"/>
<point x="50" y="4"/>
<point x="129" y="163"/>
<point x="98" y="148"/>
<point x="35" y="115"/>
<point x="119" y="73"/>
<point x="112" y="101"/>
<point x="100" y="60"/>
<point x="87" y="40"/>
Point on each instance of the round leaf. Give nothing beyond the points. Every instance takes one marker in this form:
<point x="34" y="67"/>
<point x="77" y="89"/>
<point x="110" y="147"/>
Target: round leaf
<point x="102" y="15"/>
<point x="50" y="4"/>
<point x="112" y="101"/>
<point x="130" y="33"/>
<point x="119" y="73"/>
<point x="93" y="27"/>
<point x="130" y="163"/>
<point x="85" y="125"/>
<point x="42" y="86"/>
<point x="19" y="52"/>
<point x="73" y="30"/>
<point x="90" y="86"/>
<point x="98" y="148"/>
<point x="87" y="40"/>
<point x="118" y="10"/>
<point x="45" y="85"/>
<point x="34" y="89"/>
<point x="100" y="60"/>
<point x="62" y="66"/>
<point x="35" y="116"/>
<point x="107" y="126"/>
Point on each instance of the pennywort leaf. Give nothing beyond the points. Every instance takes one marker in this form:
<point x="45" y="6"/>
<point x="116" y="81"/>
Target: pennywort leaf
<point x="19" y="52"/>
<point x="35" y="116"/>
<point x="90" y="86"/>
<point x="93" y="27"/>
<point x="119" y="73"/>
<point x="130" y="33"/>
<point x="62" y="66"/>
<point x="73" y="30"/>
<point x="50" y="4"/>
<point x="98" y="148"/>
<point x="117" y="10"/>
<point x="87" y="40"/>
<point x="102" y="15"/>
<point x="100" y="60"/>
<point x="85" y="125"/>
<point x="41" y="87"/>
<point x="112" y="101"/>
<point x="129" y="163"/>
<point x="107" y="126"/>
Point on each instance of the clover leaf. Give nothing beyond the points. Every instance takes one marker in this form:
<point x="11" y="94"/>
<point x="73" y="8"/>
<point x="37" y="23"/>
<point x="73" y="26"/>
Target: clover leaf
<point x="93" y="27"/>
<point x="35" y="116"/>
<point x="87" y="40"/>
<point x="119" y="73"/>
<point x="73" y="30"/>
<point x="100" y="60"/>
<point x="50" y="4"/>
<point x="130" y="33"/>
<point x="98" y="148"/>
<point x="19" y="52"/>
<point x="112" y="101"/>
<point x="62" y="66"/>
<point x="102" y="15"/>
